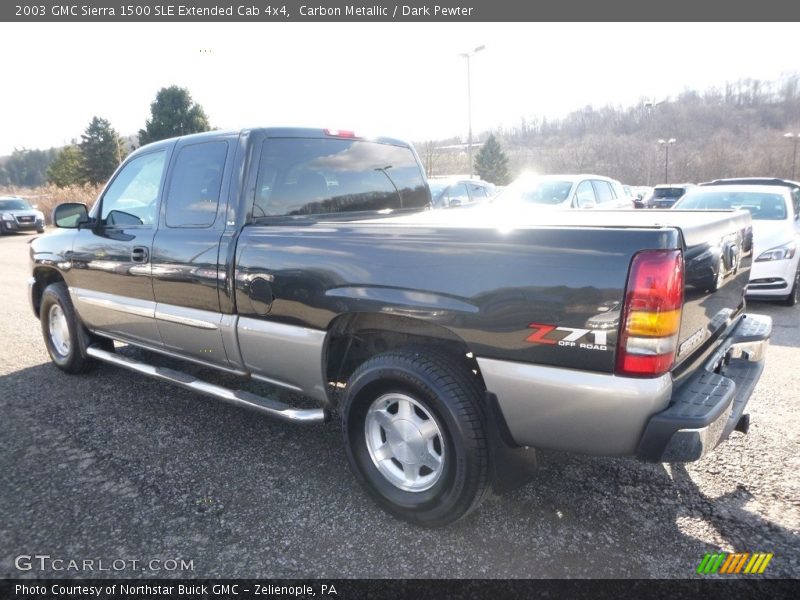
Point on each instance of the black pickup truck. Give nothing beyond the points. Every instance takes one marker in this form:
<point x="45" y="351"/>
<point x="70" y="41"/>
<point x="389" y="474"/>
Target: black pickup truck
<point x="451" y="343"/>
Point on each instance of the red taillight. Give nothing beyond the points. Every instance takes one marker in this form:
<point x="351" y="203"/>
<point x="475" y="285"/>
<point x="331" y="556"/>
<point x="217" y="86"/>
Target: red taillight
<point x="651" y="316"/>
<point x="339" y="133"/>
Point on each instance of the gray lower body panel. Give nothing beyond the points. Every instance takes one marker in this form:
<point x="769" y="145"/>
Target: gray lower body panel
<point x="578" y="411"/>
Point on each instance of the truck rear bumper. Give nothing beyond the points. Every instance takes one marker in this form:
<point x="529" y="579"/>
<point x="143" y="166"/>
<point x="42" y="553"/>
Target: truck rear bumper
<point x="707" y="408"/>
<point x="609" y="415"/>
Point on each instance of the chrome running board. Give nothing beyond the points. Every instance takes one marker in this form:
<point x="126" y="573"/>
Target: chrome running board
<point x="276" y="409"/>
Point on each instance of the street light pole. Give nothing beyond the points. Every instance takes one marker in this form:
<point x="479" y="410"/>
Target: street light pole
<point x="469" y="55"/>
<point x="795" y="139"/>
<point x="666" y="144"/>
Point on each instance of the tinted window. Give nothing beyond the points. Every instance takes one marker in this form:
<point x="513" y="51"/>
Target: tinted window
<point x="671" y="193"/>
<point x="194" y="189"/>
<point x="131" y="198"/>
<point x="763" y="207"/>
<point x="584" y="195"/>
<point x="604" y="193"/>
<point x="14" y="205"/>
<point x="319" y="176"/>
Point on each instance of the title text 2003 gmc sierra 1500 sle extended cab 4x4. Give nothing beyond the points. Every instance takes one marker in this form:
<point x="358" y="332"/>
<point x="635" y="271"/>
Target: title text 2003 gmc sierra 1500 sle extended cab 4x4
<point x="451" y="343"/>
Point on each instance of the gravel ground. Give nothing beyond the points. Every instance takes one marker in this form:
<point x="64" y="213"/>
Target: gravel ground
<point x="114" y="466"/>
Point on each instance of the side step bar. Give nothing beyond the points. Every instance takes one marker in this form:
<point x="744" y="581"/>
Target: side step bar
<point x="270" y="407"/>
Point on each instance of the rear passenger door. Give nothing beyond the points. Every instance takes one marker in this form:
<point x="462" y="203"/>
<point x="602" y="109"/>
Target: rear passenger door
<point x="187" y="271"/>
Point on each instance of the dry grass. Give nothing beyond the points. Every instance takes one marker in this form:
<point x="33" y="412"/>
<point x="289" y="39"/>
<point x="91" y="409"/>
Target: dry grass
<point x="47" y="197"/>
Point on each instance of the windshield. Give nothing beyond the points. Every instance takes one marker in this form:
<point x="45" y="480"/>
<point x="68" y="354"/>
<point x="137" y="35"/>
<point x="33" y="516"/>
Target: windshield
<point x="536" y="192"/>
<point x="14" y="204"/>
<point x="763" y="207"/>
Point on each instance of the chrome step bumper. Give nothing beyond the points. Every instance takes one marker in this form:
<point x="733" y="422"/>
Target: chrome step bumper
<point x="267" y="406"/>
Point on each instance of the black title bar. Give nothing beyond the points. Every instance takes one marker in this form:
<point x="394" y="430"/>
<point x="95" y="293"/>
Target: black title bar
<point x="276" y="11"/>
<point x="385" y="589"/>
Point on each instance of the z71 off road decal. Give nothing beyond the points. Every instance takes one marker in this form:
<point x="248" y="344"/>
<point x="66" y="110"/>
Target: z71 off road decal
<point x="586" y="339"/>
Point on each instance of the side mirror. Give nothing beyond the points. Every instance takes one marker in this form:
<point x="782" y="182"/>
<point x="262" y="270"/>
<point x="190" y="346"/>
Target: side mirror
<point x="34" y="206"/>
<point x="70" y="215"/>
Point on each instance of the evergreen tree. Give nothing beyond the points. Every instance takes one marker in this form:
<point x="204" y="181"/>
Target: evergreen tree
<point x="67" y="168"/>
<point x="102" y="151"/>
<point x="173" y="113"/>
<point x="491" y="163"/>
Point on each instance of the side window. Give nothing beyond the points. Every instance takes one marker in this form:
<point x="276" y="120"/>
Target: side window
<point x="130" y="200"/>
<point x="457" y="195"/>
<point x="796" y="203"/>
<point x="584" y="195"/>
<point x="193" y="194"/>
<point x="301" y="176"/>
<point x="603" y="190"/>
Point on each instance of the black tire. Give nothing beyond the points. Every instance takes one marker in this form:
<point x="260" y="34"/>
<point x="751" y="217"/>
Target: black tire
<point x="444" y="391"/>
<point x="71" y="359"/>
<point x="40" y="229"/>
<point x="792" y="298"/>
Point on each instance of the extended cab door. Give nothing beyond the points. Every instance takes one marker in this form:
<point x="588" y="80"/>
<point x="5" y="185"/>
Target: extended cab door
<point x="110" y="274"/>
<point x="188" y="271"/>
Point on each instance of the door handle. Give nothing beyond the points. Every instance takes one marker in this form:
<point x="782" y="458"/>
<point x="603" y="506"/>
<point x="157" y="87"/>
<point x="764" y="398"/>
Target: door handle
<point x="140" y="254"/>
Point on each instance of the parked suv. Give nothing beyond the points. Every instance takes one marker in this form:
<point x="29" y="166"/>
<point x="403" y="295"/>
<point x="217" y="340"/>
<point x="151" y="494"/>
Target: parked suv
<point x="665" y="195"/>
<point x="17" y="214"/>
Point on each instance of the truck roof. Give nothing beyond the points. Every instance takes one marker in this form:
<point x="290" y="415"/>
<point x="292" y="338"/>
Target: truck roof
<point x="285" y="132"/>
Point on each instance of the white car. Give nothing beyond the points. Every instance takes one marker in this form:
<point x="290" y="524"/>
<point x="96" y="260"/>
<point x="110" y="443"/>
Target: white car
<point x="775" y="273"/>
<point x="566" y="191"/>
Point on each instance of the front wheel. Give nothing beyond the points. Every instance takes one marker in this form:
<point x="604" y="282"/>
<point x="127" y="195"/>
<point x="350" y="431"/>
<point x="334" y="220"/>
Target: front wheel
<point x="65" y="337"/>
<point x="792" y="298"/>
<point x="415" y="436"/>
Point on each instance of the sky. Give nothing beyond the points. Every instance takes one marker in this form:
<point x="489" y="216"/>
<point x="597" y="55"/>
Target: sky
<point x="404" y="80"/>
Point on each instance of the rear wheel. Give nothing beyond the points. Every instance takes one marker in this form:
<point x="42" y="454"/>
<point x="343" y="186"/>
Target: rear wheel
<point x="415" y="437"/>
<point x="65" y="337"/>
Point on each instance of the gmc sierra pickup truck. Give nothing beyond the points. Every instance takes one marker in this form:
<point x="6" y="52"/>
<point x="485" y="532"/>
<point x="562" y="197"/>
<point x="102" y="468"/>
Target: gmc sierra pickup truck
<point x="451" y="343"/>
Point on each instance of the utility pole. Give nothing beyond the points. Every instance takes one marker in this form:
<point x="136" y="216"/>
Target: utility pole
<point x="468" y="56"/>
<point x="666" y="144"/>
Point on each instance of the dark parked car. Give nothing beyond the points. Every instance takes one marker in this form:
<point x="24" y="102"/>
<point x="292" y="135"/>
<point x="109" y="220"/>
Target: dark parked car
<point x="449" y="192"/>
<point x="17" y="214"/>
<point x="664" y="195"/>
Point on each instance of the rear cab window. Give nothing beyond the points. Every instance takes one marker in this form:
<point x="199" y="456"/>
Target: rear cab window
<point x="317" y="176"/>
<point x="194" y="188"/>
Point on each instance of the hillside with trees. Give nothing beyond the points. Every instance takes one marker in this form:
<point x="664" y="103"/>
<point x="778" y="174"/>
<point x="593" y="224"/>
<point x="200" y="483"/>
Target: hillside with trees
<point x="735" y="131"/>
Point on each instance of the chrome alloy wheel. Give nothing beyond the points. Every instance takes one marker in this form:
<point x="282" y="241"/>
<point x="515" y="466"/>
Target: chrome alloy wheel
<point x="58" y="330"/>
<point x="405" y="442"/>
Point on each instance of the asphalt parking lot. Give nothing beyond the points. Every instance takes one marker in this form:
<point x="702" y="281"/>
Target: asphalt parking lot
<point x="113" y="466"/>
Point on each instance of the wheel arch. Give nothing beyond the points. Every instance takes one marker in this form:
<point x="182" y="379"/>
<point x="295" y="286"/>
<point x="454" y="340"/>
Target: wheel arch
<point x="355" y="337"/>
<point x="42" y="277"/>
